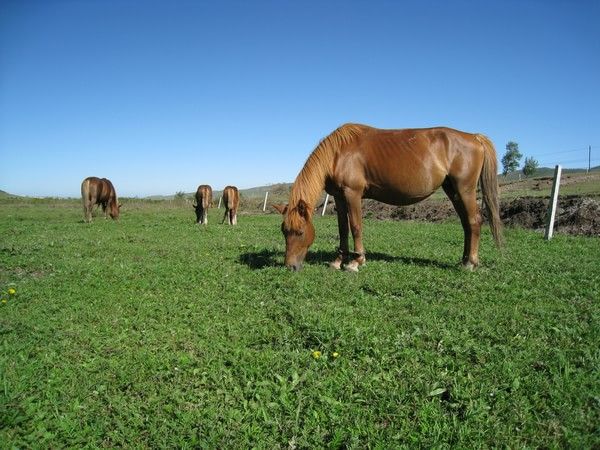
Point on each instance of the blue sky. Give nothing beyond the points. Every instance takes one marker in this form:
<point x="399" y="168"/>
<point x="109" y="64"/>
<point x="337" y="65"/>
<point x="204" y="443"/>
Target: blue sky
<point x="161" y="96"/>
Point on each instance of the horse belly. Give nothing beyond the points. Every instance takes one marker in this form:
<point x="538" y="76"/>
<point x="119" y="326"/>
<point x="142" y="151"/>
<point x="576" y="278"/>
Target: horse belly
<point x="402" y="187"/>
<point x="405" y="173"/>
<point x="397" y="197"/>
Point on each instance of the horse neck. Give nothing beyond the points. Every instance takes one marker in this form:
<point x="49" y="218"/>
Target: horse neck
<point x="310" y="182"/>
<point x="112" y="199"/>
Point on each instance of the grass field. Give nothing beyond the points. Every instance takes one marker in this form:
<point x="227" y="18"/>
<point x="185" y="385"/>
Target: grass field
<point x="155" y="332"/>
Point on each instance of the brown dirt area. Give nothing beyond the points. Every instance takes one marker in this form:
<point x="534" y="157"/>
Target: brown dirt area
<point x="575" y="214"/>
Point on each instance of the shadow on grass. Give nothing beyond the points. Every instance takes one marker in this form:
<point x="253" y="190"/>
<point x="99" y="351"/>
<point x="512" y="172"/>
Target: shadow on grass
<point x="272" y="258"/>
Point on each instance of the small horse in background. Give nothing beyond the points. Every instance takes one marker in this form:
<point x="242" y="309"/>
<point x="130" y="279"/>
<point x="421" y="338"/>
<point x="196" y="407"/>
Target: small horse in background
<point x="203" y="202"/>
<point x="398" y="167"/>
<point x="231" y="200"/>
<point x="99" y="191"/>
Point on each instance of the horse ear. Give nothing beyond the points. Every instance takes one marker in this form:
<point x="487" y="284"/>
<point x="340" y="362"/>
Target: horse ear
<point x="303" y="209"/>
<point x="194" y="205"/>
<point x="281" y="209"/>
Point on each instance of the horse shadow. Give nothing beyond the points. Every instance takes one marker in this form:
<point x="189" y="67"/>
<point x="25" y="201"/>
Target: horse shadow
<point x="272" y="258"/>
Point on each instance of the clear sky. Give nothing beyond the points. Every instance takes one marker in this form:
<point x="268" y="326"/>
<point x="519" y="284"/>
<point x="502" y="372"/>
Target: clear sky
<point x="161" y="96"/>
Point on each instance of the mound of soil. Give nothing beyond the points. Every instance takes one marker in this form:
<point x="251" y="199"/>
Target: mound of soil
<point x="574" y="215"/>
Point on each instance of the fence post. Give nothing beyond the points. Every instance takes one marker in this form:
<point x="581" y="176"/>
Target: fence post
<point x="553" y="203"/>
<point x="220" y="198"/>
<point x="265" y="203"/>
<point x="325" y="205"/>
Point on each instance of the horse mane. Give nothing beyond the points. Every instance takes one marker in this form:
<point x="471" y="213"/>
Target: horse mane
<point x="311" y="180"/>
<point x="112" y="196"/>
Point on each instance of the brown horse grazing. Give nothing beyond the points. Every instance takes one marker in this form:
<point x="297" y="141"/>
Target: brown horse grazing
<point x="203" y="202"/>
<point x="398" y="167"/>
<point x="99" y="191"/>
<point x="231" y="200"/>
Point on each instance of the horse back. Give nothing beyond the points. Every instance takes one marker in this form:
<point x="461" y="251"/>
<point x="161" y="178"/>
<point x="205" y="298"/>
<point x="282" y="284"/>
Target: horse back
<point x="204" y="195"/>
<point x="407" y="165"/>
<point x="98" y="190"/>
<point x="231" y="197"/>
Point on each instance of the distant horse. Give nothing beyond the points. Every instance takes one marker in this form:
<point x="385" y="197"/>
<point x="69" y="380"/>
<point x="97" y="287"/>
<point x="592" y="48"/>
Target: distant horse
<point x="398" y="167"/>
<point x="99" y="191"/>
<point x="203" y="202"/>
<point x="231" y="200"/>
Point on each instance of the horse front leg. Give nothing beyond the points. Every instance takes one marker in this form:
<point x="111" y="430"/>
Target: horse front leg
<point x="355" y="217"/>
<point x="342" y="216"/>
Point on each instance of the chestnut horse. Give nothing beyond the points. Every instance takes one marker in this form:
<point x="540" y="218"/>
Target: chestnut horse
<point x="231" y="200"/>
<point x="398" y="167"/>
<point x="99" y="191"/>
<point x="203" y="202"/>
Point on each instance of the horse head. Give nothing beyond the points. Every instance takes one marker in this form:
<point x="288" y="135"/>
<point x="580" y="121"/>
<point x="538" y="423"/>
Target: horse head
<point x="298" y="231"/>
<point x="114" y="210"/>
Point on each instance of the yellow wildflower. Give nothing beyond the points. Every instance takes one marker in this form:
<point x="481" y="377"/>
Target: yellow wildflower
<point x="335" y="354"/>
<point x="12" y="291"/>
<point x="316" y="354"/>
<point x="3" y="300"/>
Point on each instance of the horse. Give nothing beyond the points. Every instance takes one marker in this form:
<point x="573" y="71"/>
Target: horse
<point x="397" y="167"/>
<point x="231" y="200"/>
<point x="203" y="202"/>
<point x="99" y="191"/>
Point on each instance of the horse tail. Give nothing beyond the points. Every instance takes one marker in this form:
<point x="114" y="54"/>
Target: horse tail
<point x="87" y="202"/>
<point x="489" y="187"/>
<point x="230" y="200"/>
<point x="85" y="190"/>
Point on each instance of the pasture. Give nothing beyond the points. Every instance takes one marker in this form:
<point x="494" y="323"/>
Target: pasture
<point x="156" y="332"/>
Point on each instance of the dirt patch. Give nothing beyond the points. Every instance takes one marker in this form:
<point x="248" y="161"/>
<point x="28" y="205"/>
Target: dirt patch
<point x="575" y="215"/>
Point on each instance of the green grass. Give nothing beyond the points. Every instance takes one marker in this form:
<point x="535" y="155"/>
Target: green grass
<point x="155" y="332"/>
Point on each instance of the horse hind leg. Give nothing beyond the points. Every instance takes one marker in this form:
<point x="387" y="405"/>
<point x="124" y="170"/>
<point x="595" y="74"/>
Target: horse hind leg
<point x="87" y="211"/>
<point x="464" y="200"/>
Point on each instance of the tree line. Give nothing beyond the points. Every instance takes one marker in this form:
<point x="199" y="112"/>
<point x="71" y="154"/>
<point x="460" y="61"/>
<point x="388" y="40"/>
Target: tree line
<point x="512" y="159"/>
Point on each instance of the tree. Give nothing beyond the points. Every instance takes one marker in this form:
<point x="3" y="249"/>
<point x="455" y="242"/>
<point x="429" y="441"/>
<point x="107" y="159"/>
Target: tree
<point x="530" y="166"/>
<point x="511" y="159"/>
<point x="179" y="197"/>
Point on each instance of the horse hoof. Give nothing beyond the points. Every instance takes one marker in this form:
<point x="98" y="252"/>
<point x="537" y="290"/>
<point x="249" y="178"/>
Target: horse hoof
<point x="351" y="267"/>
<point x="468" y="266"/>
<point x="335" y="265"/>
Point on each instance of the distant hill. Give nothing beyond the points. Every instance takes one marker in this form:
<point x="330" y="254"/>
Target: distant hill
<point x="540" y="172"/>
<point x="250" y="193"/>
<point x="4" y="194"/>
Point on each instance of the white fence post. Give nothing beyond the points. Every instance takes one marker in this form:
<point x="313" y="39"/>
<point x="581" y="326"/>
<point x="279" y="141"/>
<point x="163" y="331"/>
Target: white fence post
<point x="325" y="205"/>
<point x="220" y="198"/>
<point x="265" y="203"/>
<point x="553" y="203"/>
